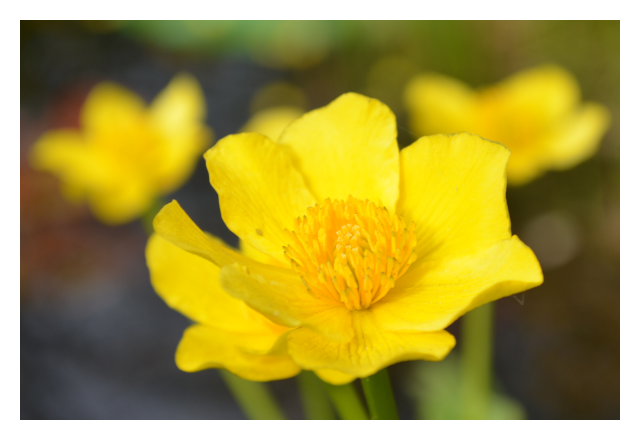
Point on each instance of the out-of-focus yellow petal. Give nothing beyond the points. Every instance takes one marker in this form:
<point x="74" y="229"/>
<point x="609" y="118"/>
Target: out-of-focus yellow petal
<point x="335" y="377"/>
<point x="439" y="104"/>
<point x="189" y="284"/>
<point x="180" y="103"/>
<point x="453" y="188"/>
<point x="371" y="349"/>
<point x="111" y="108"/>
<point x="178" y="114"/>
<point x="260" y="191"/>
<point x="272" y="121"/>
<point x="121" y="201"/>
<point x="579" y="137"/>
<point x="437" y="293"/>
<point x="282" y="297"/>
<point x="64" y="153"/>
<point x="204" y="347"/>
<point x="545" y="94"/>
<point x="347" y="148"/>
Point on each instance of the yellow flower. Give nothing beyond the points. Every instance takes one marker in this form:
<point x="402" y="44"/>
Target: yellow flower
<point x="375" y="251"/>
<point x="126" y="155"/>
<point x="536" y="113"/>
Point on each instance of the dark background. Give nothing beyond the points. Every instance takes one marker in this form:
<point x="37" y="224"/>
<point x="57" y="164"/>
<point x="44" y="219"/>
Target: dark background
<point x="98" y="343"/>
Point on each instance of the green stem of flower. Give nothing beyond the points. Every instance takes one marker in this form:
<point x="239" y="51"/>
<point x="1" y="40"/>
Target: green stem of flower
<point x="346" y="401"/>
<point x="254" y="398"/>
<point x="147" y="218"/>
<point x="315" y="400"/>
<point x="379" y="395"/>
<point x="477" y="354"/>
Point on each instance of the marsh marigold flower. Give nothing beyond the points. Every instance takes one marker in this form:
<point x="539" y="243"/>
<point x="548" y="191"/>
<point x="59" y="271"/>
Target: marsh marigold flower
<point x="536" y="113"/>
<point x="125" y="154"/>
<point x="365" y="253"/>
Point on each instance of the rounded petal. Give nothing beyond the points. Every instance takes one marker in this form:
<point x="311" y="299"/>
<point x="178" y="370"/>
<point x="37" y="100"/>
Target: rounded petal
<point x="372" y="349"/>
<point x="272" y="121"/>
<point x="453" y="188"/>
<point x="283" y="298"/>
<point x="177" y="116"/>
<point x="260" y="191"/>
<point x="204" y="347"/>
<point x="579" y="137"/>
<point x="111" y="108"/>
<point x="548" y="93"/>
<point x="189" y="284"/>
<point x="347" y="148"/>
<point x="437" y="292"/>
<point x="180" y="103"/>
<point x="335" y="377"/>
<point x="439" y="104"/>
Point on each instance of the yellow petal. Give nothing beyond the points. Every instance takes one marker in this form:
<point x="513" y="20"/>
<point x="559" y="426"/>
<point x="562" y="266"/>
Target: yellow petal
<point x="439" y="104"/>
<point x="181" y="102"/>
<point x="175" y="226"/>
<point x="272" y="121"/>
<point x="372" y="348"/>
<point x="347" y="148"/>
<point x="189" y="284"/>
<point x="122" y="201"/>
<point x="453" y="188"/>
<point x="204" y="347"/>
<point x="546" y="93"/>
<point x="110" y="107"/>
<point x="438" y="292"/>
<point x="282" y="297"/>
<point x="579" y="137"/>
<point x="260" y="192"/>
<point x="335" y="377"/>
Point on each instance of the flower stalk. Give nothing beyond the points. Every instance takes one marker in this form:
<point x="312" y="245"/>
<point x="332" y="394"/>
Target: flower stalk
<point x="315" y="400"/>
<point x="379" y="395"/>
<point x="346" y="401"/>
<point x="477" y="354"/>
<point x="254" y="398"/>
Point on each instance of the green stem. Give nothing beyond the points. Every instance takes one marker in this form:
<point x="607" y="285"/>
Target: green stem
<point x="379" y="395"/>
<point x="254" y="398"/>
<point x="147" y="218"/>
<point x="477" y="353"/>
<point x="346" y="401"/>
<point x="315" y="400"/>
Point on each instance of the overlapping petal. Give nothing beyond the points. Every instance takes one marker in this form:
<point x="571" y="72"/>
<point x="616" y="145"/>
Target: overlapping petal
<point x="285" y="299"/>
<point x="371" y="349"/>
<point x="437" y="292"/>
<point x="260" y="191"/>
<point x="205" y="347"/>
<point x="189" y="284"/>
<point x="347" y="148"/>
<point x="453" y="189"/>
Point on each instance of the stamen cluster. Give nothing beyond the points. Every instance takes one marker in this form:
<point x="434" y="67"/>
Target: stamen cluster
<point x="351" y="251"/>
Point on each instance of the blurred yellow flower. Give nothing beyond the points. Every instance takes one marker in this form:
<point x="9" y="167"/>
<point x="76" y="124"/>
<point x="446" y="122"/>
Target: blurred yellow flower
<point x="536" y="113"/>
<point x="127" y="155"/>
<point x="373" y="251"/>
<point x="272" y="121"/>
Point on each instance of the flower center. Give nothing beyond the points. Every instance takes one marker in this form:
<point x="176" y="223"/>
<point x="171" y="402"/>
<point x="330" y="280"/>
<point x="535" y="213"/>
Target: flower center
<point x="352" y="251"/>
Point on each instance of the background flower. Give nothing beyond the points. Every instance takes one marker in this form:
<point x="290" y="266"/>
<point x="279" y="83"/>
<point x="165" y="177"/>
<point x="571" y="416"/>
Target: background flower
<point x="125" y="156"/>
<point x="536" y="113"/>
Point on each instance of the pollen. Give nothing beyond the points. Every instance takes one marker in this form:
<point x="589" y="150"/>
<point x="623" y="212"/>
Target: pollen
<point x="350" y="251"/>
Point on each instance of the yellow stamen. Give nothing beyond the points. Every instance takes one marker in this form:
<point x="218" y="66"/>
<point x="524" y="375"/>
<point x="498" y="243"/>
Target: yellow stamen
<point x="350" y="251"/>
